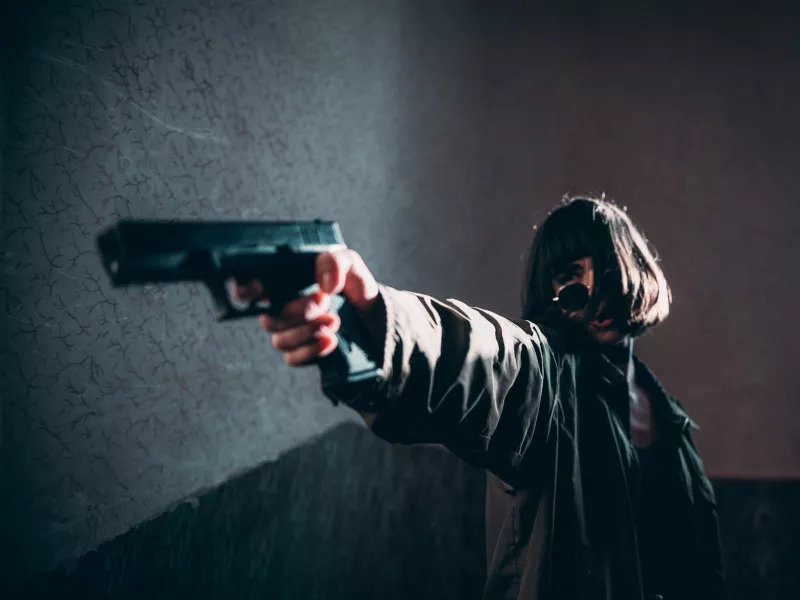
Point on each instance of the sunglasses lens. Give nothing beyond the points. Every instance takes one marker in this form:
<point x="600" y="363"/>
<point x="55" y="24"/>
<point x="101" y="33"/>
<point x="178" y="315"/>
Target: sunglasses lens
<point x="573" y="297"/>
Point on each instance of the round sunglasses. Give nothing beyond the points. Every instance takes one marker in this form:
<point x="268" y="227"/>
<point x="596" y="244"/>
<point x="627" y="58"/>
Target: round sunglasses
<point x="572" y="297"/>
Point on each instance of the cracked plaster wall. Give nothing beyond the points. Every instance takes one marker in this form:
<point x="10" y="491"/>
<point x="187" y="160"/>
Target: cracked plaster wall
<point x="119" y="403"/>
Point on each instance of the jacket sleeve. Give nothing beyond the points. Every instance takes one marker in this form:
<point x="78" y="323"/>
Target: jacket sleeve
<point x="481" y="385"/>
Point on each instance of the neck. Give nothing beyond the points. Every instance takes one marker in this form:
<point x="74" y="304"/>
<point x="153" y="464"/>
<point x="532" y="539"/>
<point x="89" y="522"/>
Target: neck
<point x="621" y="354"/>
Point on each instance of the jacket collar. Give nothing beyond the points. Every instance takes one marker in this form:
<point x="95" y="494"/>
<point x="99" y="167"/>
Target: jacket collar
<point x="668" y="410"/>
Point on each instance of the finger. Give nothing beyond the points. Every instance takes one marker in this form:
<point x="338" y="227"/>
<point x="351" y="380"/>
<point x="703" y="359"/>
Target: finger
<point x="345" y="271"/>
<point x="360" y="287"/>
<point x="274" y="325"/>
<point x="297" y="312"/>
<point x="322" y="346"/>
<point x="246" y="292"/>
<point x="294" y="338"/>
<point x="332" y="268"/>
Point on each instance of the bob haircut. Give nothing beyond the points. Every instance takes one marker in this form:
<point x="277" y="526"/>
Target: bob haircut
<point x="627" y="274"/>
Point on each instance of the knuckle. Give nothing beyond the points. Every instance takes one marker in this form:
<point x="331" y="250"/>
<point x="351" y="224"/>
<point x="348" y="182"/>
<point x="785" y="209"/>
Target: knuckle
<point x="277" y="342"/>
<point x="341" y="258"/>
<point x="354" y="256"/>
<point x="325" y="347"/>
<point x="324" y="302"/>
<point x="316" y="307"/>
<point x="300" y="356"/>
<point x="333" y="323"/>
<point x="295" y="310"/>
<point x="308" y="308"/>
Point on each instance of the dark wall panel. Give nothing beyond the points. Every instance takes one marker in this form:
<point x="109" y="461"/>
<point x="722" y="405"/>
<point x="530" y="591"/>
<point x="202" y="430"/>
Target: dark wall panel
<point x="270" y="534"/>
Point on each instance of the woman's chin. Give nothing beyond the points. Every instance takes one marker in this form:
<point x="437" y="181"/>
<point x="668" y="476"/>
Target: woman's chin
<point x="605" y="336"/>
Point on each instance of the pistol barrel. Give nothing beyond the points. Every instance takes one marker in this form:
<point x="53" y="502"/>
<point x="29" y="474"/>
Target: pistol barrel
<point x="153" y="251"/>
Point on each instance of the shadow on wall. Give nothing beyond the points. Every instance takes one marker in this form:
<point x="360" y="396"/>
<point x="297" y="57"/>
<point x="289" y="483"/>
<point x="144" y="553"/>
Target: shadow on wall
<point x="348" y="516"/>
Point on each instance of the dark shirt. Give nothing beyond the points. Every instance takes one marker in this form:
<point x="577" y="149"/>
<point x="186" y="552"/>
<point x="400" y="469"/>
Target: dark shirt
<point x="654" y="527"/>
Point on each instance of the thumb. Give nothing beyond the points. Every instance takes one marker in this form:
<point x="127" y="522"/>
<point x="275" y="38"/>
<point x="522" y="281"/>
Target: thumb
<point x="344" y="271"/>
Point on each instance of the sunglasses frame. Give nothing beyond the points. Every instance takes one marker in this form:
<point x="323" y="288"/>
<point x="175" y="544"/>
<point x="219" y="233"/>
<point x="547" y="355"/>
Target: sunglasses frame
<point x="585" y="294"/>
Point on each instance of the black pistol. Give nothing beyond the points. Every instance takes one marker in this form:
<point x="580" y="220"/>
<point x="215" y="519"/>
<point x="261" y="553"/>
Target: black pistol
<point x="280" y="254"/>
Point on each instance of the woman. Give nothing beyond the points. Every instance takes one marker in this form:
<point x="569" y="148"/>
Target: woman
<point x="596" y="490"/>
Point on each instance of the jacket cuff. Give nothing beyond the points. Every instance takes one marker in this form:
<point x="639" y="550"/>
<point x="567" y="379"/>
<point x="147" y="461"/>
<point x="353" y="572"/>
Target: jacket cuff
<point x="391" y="330"/>
<point x="380" y="321"/>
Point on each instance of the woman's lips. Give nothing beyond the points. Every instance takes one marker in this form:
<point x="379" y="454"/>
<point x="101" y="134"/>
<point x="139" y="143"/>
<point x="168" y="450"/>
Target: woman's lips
<point x="597" y="324"/>
<point x="601" y="320"/>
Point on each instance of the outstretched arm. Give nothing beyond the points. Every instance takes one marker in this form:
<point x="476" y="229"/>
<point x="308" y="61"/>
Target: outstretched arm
<point x="481" y="385"/>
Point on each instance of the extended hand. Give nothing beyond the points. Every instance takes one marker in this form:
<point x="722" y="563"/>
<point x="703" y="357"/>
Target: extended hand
<point x="306" y="328"/>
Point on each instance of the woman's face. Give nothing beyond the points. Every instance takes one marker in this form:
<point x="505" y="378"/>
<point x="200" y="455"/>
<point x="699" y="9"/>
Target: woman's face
<point x="603" y="330"/>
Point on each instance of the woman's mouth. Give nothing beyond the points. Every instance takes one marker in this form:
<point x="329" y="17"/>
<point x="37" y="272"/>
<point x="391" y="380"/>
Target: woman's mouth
<point x="601" y="324"/>
<point x="601" y="320"/>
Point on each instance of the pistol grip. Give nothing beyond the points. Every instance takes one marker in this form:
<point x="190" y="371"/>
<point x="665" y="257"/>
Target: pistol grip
<point x="355" y="362"/>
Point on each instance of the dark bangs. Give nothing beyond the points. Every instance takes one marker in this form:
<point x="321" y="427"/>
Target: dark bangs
<point x="569" y="233"/>
<point x="627" y="276"/>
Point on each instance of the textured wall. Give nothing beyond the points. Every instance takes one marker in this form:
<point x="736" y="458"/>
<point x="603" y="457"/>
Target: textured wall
<point x="121" y="402"/>
<point x="437" y="134"/>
